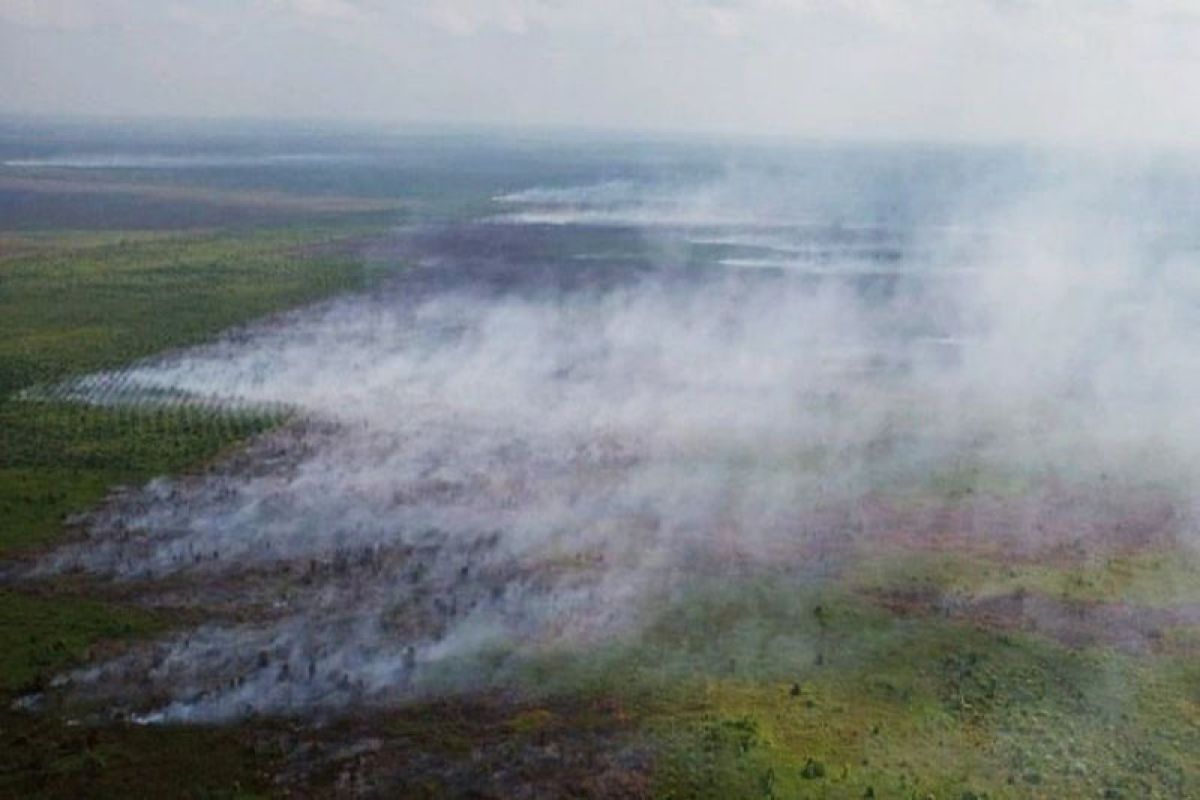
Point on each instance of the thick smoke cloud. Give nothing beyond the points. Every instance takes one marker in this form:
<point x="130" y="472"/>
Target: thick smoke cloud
<point x="488" y="464"/>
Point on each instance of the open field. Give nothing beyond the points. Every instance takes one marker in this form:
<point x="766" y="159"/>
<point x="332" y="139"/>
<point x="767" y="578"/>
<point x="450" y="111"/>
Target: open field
<point x="89" y="303"/>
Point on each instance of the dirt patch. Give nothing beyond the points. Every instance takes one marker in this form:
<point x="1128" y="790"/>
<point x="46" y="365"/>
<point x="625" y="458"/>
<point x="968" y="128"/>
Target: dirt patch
<point x="1058" y="524"/>
<point x="1138" y="630"/>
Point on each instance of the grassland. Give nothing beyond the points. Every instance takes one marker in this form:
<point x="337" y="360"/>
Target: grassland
<point x="763" y="688"/>
<point x="86" y="302"/>
<point x="74" y="302"/>
<point x="925" y="706"/>
<point x="80" y="303"/>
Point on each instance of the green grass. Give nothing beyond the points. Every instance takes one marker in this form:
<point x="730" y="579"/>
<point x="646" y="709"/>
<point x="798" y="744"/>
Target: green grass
<point x="44" y="757"/>
<point x="62" y="458"/>
<point x="761" y="688"/>
<point x="38" y="638"/>
<point x="1152" y="579"/>
<point x="960" y="715"/>
<point x="76" y="303"/>
<point x="101" y="301"/>
<point x="87" y="302"/>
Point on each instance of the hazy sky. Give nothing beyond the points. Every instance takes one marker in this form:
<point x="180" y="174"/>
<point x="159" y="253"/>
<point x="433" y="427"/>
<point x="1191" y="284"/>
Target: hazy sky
<point x="941" y="69"/>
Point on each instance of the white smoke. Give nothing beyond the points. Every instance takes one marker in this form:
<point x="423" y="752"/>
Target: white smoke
<point x="479" y="475"/>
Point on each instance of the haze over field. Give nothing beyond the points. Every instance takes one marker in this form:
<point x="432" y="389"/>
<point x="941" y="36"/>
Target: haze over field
<point x="570" y="409"/>
<point x="537" y="398"/>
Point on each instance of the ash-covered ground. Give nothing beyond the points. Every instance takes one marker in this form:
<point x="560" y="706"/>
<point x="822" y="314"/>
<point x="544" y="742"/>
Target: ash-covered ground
<point x="558" y="417"/>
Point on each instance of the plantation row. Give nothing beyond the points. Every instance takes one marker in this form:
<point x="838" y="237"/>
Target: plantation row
<point x="60" y="458"/>
<point x="122" y="389"/>
<point x="79" y="311"/>
<point x="127" y="440"/>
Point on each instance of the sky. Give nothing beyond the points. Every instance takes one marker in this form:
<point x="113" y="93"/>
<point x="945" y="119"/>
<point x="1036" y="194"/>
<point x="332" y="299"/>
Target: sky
<point x="976" y="70"/>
